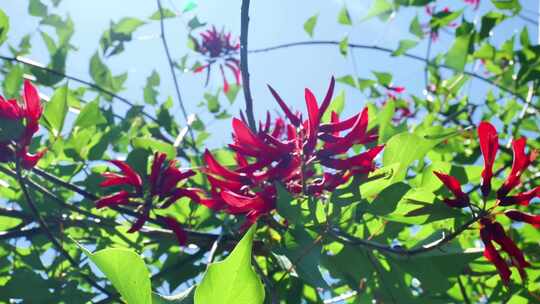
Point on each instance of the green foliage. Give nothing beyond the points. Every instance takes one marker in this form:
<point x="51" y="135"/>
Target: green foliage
<point x="4" y="26"/>
<point x="127" y="272"/>
<point x="232" y="280"/>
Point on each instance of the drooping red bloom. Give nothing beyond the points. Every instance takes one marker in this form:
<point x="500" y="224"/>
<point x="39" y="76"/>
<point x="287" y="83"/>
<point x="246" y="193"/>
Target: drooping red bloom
<point x="218" y="47"/>
<point x="18" y="124"/>
<point x="287" y="151"/>
<point x="492" y="232"/>
<point x="162" y="188"/>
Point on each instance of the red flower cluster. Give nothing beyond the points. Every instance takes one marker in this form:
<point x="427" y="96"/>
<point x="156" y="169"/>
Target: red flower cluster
<point x="490" y="230"/>
<point x="162" y="188"/>
<point x="286" y="151"/>
<point x="218" y="46"/>
<point x="18" y="124"/>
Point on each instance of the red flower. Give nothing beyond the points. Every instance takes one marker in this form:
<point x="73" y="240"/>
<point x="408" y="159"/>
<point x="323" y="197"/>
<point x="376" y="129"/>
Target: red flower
<point x="163" y="187"/>
<point x="489" y="144"/>
<point x="286" y="151"/>
<point x="490" y="230"/>
<point x="461" y="199"/>
<point x="218" y="46"/>
<point x="19" y="123"/>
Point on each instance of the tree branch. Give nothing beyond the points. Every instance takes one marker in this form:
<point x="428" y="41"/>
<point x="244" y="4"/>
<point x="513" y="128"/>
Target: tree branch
<point x="244" y="30"/>
<point x="352" y="240"/>
<point x="387" y="50"/>
<point x="173" y="74"/>
<point x="33" y="64"/>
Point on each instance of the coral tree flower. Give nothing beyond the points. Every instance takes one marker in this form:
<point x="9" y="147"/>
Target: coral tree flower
<point x="287" y="150"/>
<point x="491" y="231"/>
<point x="19" y="121"/>
<point x="218" y="47"/>
<point x="162" y="189"/>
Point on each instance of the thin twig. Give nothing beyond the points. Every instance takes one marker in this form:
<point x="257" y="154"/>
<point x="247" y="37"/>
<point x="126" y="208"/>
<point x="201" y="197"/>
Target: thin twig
<point x="349" y="239"/>
<point x="173" y="74"/>
<point x="244" y="30"/>
<point x="387" y="50"/>
<point x="463" y="291"/>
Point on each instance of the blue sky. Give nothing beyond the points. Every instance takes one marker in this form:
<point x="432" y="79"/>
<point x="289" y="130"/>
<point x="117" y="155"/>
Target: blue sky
<point x="289" y="70"/>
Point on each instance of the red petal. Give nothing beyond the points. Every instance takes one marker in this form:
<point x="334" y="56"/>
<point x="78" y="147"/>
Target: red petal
<point x="157" y="164"/>
<point x="361" y="163"/>
<point x="171" y="177"/>
<point x="245" y="136"/>
<point x="10" y="109"/>
<point x="519" y="165"/>
<point x="454" y="186"/>
<point x="29" y="161"/>
<point x="508" y="245"/>
<point x="31" y="98"/>
<point x="115" y="199"/>
<point x="113" y="179"/>
<point x="139" y="223"/>
<point x="523" y="198"/>
<point x="179" y="193"/>
<point x="214" y="167"/>
<point x="523" y="217"/>
<point x="179" y="232"/>
<point x="355" y="136"/>
<point x="489" y="144"/>
<point x="240" y="203"/>
<point x="327" y="98"/>
<point x="313" y="114"/>
<point x="493" y="256"/>
<point x="293" y="118"/>
<point x="134" y="177"/>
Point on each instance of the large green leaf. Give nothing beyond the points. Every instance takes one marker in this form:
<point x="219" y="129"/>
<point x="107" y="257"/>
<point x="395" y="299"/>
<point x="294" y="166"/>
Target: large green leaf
<point x="127" y="272"/>
<point x="56" y="110"/>
<point x="404" y="148"/>
<point x="233" y="280"/>
<point x="344" y="17"/>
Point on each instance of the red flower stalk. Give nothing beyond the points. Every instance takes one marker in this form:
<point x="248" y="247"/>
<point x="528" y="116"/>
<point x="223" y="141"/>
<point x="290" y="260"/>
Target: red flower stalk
<point x="18" y="124"/>
<point x="218" y="47"/>
<point x="286" y="151"/>
<point x="490" y="230"/>
<point x="162" y="188"/>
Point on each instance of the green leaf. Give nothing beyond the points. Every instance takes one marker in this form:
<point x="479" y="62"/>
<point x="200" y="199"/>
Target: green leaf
<point x="383" y="78"/>
<point x="310" y="24"/>
<point x="37" y="9"/>
<point x="416" y="28"/>
<point x="189" y="6"/>
<point x="167" y="13"/>
<point x="4" y="26"/>
<point x="456" y="58"/>
<point x="195" y="23"/>
<point x="233" y="92"/>
<point x="154" y="145"/>
<point x="344" y="46"/>
<point x="513" y="5"/>
<point x="404" y="46"/>
<point x="118" y="34"/>
<point x="90" y="115"/>
<point x="150" y="92"/>
<point x="344" y="17"/>
<point x="233" y="280"/>
<point x="404" y="148"/>
<point x="127" y="272"/>
<point x="286" y="205"/>
<point x="56" y="110"/>
<point x="13" y="81"/>
<point x="378" y="7"/>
